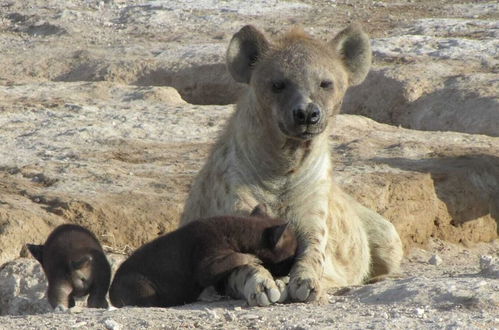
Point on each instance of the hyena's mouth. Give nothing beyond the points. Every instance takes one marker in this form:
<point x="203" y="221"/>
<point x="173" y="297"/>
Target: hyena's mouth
<point x="302" y="132"/>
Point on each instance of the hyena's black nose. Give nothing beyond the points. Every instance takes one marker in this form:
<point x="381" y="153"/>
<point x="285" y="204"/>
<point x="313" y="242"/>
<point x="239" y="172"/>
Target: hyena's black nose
<point x="314" y="114"/>
<point x="300" y="116"/>
<point x="309" y="115"/>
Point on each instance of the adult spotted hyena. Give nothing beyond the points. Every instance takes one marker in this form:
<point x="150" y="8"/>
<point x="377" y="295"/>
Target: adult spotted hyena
<point x="275" y="150"/>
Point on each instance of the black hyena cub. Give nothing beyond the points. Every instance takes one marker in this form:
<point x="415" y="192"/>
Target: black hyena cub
<point x="174" y="269"/>
<point x="75" y="265"/>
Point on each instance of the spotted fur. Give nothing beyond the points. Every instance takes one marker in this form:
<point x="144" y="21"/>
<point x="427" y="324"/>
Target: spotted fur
<point x="266" y="155"/>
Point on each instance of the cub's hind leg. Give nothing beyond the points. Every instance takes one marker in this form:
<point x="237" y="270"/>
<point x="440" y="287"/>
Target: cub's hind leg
<point x="133" y="289"/>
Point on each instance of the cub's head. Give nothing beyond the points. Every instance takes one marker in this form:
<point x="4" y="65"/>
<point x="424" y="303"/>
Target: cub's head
<point x="78" y="269"/>
<point x="279" y="244"/>
<point x="299" y="82"/>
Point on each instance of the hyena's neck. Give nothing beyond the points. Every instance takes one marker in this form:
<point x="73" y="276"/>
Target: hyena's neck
<point x="271" y="158"/>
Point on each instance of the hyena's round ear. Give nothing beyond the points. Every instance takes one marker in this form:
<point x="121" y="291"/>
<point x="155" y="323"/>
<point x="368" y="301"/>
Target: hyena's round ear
<point x="274" y="235"/>
<point x="245" y="48"/>
<point x="354" y="48"/>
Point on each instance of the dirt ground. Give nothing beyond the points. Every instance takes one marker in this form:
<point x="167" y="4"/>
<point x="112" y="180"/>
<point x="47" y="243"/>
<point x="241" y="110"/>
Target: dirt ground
<point x="91" y="134"/>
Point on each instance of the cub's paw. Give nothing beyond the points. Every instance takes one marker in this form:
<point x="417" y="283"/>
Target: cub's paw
<point x="305" y="289"/>
<point x="60" y="308"/>
<point x="261" y="291"/>
<point x="94" y="302"/>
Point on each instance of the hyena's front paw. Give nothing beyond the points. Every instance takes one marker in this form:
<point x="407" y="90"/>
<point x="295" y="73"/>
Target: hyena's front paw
<point x="305" y="288"/>
<point x="261" y="291"/>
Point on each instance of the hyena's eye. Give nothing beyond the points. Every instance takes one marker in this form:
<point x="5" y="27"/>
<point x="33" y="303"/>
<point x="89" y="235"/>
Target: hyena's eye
<point x="278" y="86"/>
<point x="326" y="84"/>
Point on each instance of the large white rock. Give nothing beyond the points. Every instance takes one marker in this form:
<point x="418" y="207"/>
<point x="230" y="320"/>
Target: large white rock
<point x="429" y="96"/>
<point x="447" y="80"/>
<point x="22" y="288"/>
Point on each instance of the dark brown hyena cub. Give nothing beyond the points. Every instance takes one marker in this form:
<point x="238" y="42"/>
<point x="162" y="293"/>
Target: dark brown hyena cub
<point x="75" y="265"/>
<point x="174" y="269"/>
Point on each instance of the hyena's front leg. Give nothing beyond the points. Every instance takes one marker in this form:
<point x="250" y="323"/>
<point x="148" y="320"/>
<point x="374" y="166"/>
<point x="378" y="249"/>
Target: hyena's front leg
<point x="307" y="273"/>
<point x="253" y="283"/>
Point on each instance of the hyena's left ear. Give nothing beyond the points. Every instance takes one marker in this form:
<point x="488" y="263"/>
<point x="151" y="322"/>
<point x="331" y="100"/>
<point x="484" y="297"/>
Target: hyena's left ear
<point x="259" y="211"/>
<point x="245" y="48"/>
<point x="274" y="235"/>
<point x="36" y="251"/>
<point x="354" y="48"/>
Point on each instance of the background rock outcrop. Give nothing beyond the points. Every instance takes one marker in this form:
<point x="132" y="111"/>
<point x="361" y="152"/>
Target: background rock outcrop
<point x="108" y="109"/>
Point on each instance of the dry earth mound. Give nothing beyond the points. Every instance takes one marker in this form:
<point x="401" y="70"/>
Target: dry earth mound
<point x="108" y="109"/>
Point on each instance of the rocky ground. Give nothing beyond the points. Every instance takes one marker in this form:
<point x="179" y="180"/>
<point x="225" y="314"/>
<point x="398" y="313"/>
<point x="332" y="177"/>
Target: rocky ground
<point x="108" y="108"/>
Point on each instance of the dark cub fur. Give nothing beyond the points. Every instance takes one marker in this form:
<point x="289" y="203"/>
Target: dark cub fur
<point x="174" y="269"/>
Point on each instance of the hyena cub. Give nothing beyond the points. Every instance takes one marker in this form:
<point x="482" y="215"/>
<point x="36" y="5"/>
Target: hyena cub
<point x="175" y="268"/>
<point x="75" y="265"/>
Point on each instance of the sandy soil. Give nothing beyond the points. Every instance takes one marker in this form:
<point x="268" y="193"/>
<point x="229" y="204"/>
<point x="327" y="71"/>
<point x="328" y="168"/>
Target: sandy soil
<point x="90" y="134"/>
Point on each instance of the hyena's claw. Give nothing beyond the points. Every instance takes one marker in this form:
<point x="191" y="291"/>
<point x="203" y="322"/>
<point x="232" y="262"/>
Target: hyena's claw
<point x="274" y="294"/>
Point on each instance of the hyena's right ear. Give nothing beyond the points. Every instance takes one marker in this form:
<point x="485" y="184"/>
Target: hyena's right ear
<point x="245" y="48"/>
<point x="36" y="251"/>
<point x="259" y="211"/>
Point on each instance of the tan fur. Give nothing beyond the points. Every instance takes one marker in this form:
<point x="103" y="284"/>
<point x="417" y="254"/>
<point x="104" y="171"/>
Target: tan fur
<point x="294" y="34"/>
<point x="264" y="156"/>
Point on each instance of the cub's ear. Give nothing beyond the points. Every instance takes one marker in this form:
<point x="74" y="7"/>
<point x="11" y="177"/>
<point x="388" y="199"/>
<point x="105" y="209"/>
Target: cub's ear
<point x="245" y="48"/>
<point x="36" y="251"/>
<point x="274" y="235"/>
<point x="259" y="211"/>
<point x="82" y="262"/>
<point x="354" y="48"/>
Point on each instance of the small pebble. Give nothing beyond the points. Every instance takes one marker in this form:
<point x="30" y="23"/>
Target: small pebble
<point x="435" y="260"/>
<point x="79" y="324"/>
<point x="251" y="317"/>
<point x="395" y="315"/>
<point x="212" y="314"/>
<point x="419" y="311"/>
<point x="229" y="316"/>
<point x="111" y="324"/>
<point x="485" y="262"/>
